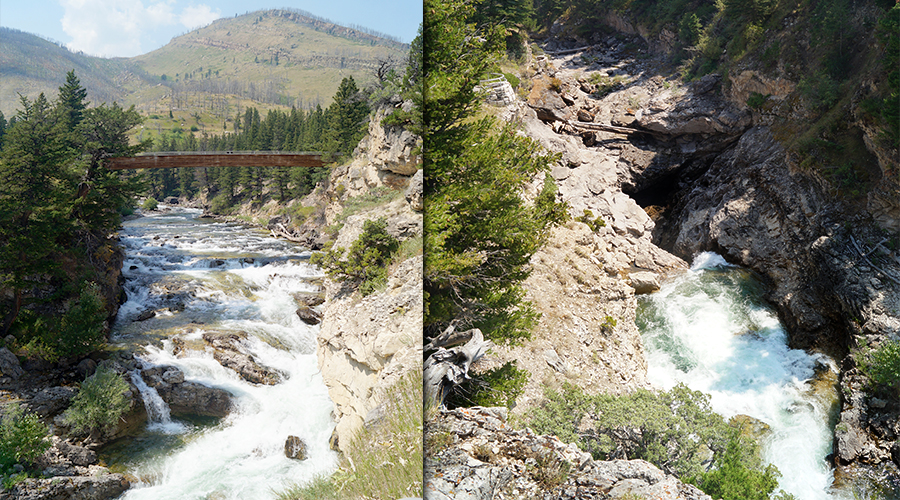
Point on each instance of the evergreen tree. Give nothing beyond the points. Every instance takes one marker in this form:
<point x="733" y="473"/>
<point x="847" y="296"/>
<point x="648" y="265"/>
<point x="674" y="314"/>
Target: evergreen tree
<point x="346" y="119"/>
<point x="479" y="233"/>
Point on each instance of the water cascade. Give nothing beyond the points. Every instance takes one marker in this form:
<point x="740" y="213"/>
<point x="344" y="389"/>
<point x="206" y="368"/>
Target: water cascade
<point x="710" y="329"/>
<point x="157" y="410"/>
<point x="192" y="276"/>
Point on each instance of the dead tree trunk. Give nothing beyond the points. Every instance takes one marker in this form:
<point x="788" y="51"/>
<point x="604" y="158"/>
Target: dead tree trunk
<point x="447" y="368"/>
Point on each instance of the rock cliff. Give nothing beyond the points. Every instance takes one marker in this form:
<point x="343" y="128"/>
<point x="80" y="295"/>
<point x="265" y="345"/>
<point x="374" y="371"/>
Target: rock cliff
<point x="367" y="344"/>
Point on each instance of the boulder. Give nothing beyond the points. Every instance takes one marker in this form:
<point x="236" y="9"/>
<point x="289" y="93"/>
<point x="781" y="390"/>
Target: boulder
<point x="547" y="102"/>
<point x="309" y="315"/>
<point x="51" y="401"/>
<point x="308" y="299"/>
<point x="86" y="367"/>
<point x="191" y="398"/>
<point x="78" y="455"/>
<point x="227" y="351"/>
<point x="9" y="364"/>
<point x="295" y="448"/>
<point x="644" y="282"/>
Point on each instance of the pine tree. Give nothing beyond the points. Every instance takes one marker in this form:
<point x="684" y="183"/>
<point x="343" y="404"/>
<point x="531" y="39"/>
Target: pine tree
<point x="346" y="119"/>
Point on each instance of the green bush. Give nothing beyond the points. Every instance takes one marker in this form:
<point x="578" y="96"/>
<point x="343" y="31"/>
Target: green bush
<point x="595" y="223"/>
<point x="101" y="401"/>
<point x="366" y="262"/>
<point x="756" y="100"/>
<point x="82" y="328"/>
<point x="738" y="475"/>
<point x="23" y="438"/>
<point x="882" y="365"/>
<point x="220" y="204"/>
<point x="149" y="204"/>
<point x="497" y="387"/>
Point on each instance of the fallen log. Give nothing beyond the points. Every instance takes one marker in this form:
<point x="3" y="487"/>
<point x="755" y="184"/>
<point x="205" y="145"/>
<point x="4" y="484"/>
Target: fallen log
<point x="447" y="368"/>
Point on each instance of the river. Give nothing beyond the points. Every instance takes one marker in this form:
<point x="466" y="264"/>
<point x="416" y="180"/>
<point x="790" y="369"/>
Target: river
<point x="711" y="329"/>
<point x="201" y="275"/>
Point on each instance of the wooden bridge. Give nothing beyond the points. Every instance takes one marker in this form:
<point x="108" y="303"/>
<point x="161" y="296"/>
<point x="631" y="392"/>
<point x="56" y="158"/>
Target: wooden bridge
<point x="217" y="159"/>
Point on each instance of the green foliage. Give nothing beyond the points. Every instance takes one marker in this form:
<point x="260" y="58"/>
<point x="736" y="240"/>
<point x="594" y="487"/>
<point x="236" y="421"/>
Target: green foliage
<point x="674" y="430"/>
<point x="100" y="403"/>
<point x="221" y="203"/>
<point x="669" y="429"/>
<point x="479" y="232"/>
<point x="882" y="365"/>
<point x="82" y="328"/>
<point x="756" y="100"/>
<point x="690" y="28"/>
<point x="23" y="437"/>
<point x="149" y="204"/>
<point x="595" y="223"/>
<point x="821" y="89"/>
<point x="346" y="119"/>
<point x="365" y="265"/>
<point x="738" y="475"/>
<point x="495" y="387"/>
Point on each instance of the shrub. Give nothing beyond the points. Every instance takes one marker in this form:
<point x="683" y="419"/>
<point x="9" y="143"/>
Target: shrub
<point x="220" y="204"/>
<point x="595" y="223"/>
<point x="82" y="328"/>
<point x="756" y="100"/>
<point x="101" y="401"/>
<point x="497" y="387"/>
<point x="882" y="365"/>
<point x="23" y="437"/>
<point x="366" y="262"/>
<point x="149" y="204"/>
<point x="738" y="475"/>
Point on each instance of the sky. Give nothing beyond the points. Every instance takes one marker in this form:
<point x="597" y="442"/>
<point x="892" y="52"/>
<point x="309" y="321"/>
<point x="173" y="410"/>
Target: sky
<point x="126" y="28"/>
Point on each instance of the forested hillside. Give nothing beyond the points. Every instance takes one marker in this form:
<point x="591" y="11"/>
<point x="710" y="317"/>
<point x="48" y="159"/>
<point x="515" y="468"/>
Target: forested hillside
<point x="205" y="79"/>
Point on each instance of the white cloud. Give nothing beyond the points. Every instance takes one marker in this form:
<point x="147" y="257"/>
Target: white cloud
<point x="125" y="27"/>
<point x="197" y="16"/>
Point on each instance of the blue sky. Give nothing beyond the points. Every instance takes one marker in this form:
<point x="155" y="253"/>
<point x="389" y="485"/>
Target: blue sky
<point x="112" y="28"/>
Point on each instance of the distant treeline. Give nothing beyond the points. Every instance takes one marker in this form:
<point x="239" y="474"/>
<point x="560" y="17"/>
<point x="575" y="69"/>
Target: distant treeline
<point x="334" y="131"/>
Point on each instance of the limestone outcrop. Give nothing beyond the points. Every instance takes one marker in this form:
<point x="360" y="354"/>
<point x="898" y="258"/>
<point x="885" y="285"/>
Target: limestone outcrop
<point x="367" y="344"/>
<point x="480" y="456"/>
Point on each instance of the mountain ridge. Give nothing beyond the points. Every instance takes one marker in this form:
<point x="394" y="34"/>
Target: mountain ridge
<point x="269" y="59"/>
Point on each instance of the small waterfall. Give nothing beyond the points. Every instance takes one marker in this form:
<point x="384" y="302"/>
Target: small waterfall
<point x="157" y="410"/>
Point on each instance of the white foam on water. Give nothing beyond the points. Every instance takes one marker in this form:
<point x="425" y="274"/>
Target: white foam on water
<point x="704" y="329"/>
<point x="242" y="282"/>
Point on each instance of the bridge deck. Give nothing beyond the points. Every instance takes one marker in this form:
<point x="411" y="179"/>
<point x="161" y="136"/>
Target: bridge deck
<point x="217" y="159"/>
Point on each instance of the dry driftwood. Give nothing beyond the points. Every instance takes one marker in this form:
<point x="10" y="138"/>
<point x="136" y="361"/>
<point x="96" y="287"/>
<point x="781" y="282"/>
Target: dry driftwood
<point x="447" y="368"/>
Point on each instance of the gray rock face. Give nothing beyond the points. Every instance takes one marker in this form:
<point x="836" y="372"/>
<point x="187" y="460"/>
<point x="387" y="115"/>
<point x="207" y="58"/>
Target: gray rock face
<point x="51" y="401"/>
<point x="415" y="190"/>
<point x="487" y="457"/>
<point x="69" y="488"/>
